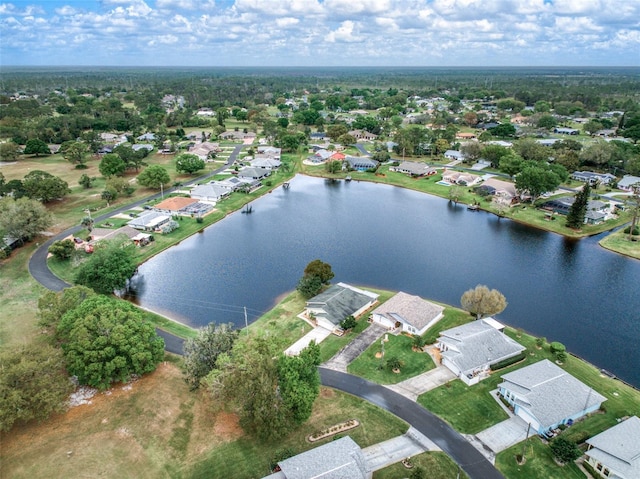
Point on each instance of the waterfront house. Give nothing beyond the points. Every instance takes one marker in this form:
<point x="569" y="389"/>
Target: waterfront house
<point x="265" y="163"/>
<point x="460" y="178"/>
<point x="253" y="173"/>
<point x="413" y="168"/>
<point x="407" y="312"/>
<point x="174" y="205"/>
<point x="150" y="221"/>
<point x="470" y="350"/>
<point x="99" y="234"/>
<point x="546" y="396"/>
<point x="340" y="300"/>
<point x="361" y="163"/>
<point x="615" y="453"/>
<point x="270" y="151"/>
<point x="210" y="192"/>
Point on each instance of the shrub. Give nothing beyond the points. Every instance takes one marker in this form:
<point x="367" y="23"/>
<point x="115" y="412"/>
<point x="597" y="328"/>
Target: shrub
<point x="561" y="356"/>
<point x="636" y="230"/>
<point x="348" y="323"/>
<point x="507" y="362"/>
<point x="565" y="450"/>
<point x="280" y="455"/>
<point x="540" y="341"/>
<point x="394" y="363"/>
<point x="62" y="249"/>
<point x="556" y="347"/>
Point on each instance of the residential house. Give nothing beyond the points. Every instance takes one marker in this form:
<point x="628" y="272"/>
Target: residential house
<point x="205" y="149"/>
<point x="99" y="234"/>
<point x="615" y="453"/>
<point x="461" y="178"/>
<point x="142" y="146"/>
<point x="595" y="212"/>
<point x="175" y="205"/>
<point x="361" y="163"/>
<point x="470" y="350"/>
<point x="210" y="192"/>
<point x="546" y="396"/>
<point x="265" y="163"/>
<point x="234" y="184"/>
<point x="338" y="459"/>
<point x="548" y="141"/>
<point x="270" y="151"/>
<point x="237" y="135"/>
<point x="506" y="144"/>
<point x="318" y="136"/>
<point x="566" y="131"/>
<point x="504" y="192"/>
<point x="147" y="137"/>
<point x="413" y="168"/>
<point x="592" y="177"/>
<point x="466" y="136"/>
<point x="320" y="156"/>
<point x="150" y="221"/>
<point x="411" y="314"/>
<point x="454" y="155"/>
<point x="363" y="135"/>
<point x="340" y="300"/>
<point x="253" y="173"/>
<point x="628" y="182"/>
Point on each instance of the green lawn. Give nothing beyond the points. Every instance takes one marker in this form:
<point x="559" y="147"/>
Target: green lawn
<point x="619" y="242"/>
<point x="246" y="458"/>
<point x="368" y="366"/>
<point x="539" y="463"/>
<point x="436" y="465"/>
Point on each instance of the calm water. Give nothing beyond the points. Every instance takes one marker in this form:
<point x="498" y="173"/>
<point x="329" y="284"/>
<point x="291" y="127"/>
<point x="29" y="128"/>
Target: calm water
<point x="386" y="237"/>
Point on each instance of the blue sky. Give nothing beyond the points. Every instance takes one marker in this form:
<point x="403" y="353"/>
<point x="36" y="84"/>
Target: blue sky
<point x="321" y="32"/>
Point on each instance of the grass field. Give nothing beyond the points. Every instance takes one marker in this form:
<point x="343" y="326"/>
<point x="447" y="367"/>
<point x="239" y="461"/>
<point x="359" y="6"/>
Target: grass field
<point x="157" y="428"/>
<point x="619" y="242"/>
<point x="436" y="465"/>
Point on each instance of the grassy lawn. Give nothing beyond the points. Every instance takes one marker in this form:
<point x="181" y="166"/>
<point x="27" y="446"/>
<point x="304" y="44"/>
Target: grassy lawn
<point x="539" y="463"/>
<point x="368" y="366"/>
<point x="436" y="465"/>
<point x="245" y="458"/>
<point x="620" y="243"/>
<point x="451" y="318"/>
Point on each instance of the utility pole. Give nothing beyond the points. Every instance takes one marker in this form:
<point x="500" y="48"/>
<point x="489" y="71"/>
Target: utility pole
<point x="524" y="444"/>
<point x="246" y="323"/>
<point x="162" y="190"/>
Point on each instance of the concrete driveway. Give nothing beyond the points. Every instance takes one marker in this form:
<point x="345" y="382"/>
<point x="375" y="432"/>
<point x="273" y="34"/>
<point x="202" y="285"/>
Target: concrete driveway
<point x="355" y="348"/>
<point x="317" y="334"/>
<point x="504" y="434"/>
<point x="413" y="387"/>
<point x="395" y="450"/>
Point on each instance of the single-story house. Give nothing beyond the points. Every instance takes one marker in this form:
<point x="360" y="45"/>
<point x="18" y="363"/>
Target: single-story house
<point x="142" y="146"/>
<point x="414" y="168"/>
<point x="506" y="144"/>
<point x="210" y="192"/>
<point x="265" y="163"/>
<point x="592" y="178"/>
<point x="548" y="141"/>
<point x="470" y="350"/>
<point x="149" y="221"/>
<point x="147" y="137"/>
<point x="606" y="133"/>
<point x="363" y="135"/>
<point x="628" y="181"/>
<point x="461" y="178"/>
<point x="339" y="459"/>
<point x="320" y="156"/>
<point x="563" y="206"/>
<point x="454" y="155"/>
<point x="270" y="151"/>
<point x="592" y="217"/>
<point x="237" y="135"/>
<point x="253" y="173"/>
<point x="361" y="163"/>
<point x="465" y="136"/>
<point x="546" y="396"/>
<point x="504" y="192"/>
<point x="566" y="131"/>
<point x="615" y="453"/>
<point x="317" y="136"/>
<point x="410" y="313"/>
<point x="174" y="204"/>
<point x="98" y="234"/>
<point x="205" y="149"/>
<point x="234" y="183"/>
<point x="340" y="300"/>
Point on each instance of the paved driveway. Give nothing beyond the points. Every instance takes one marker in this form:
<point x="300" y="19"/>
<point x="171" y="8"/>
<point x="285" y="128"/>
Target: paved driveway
<point x="395" y="450"/>
<point x="355" y="348"/>
<point x="413" y="387"/>
<point x="317" y="334"/>
<point x="504" y="434"/>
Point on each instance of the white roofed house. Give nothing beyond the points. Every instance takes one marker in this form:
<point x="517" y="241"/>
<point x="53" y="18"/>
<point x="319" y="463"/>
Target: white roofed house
<point x="615" y="453"/>
<point x="413" y="168"/>
<point x="410" y="313"/>
<point x="265" y="162"/>
<point x="269" y="151"/>
<point x="546" y="396"/>
<point x="210" y="192"/>
<point x="150" y="221"/>
<point x="470" y="350"/>
<point x="253" y="173"/>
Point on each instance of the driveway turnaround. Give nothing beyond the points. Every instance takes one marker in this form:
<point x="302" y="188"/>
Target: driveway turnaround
<point x="444" y="436"/>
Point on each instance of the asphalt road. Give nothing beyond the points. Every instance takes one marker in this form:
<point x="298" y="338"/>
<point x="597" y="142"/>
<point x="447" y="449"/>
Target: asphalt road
<point x="451" y="442"/>
<point x="40" y="271"/>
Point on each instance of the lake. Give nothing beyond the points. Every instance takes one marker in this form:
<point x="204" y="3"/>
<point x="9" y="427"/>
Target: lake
<point x="386" y="237"/>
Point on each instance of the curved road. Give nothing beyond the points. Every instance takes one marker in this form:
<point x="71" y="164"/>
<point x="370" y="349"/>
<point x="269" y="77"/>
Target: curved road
<point x="40" y="271"/>
<point x="444" y="436"/>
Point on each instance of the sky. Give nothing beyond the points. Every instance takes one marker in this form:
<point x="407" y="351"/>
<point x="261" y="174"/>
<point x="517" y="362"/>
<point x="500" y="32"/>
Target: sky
<point x="320" y="33"/>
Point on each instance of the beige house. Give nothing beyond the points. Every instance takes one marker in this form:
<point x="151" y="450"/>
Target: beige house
<point x="410" y="313"/>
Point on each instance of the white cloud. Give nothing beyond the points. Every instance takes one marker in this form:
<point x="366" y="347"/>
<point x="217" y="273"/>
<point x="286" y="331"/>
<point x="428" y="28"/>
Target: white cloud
<point x="351" y="7"/>
<point x="286" y="22"/>
<point x="344" y="33"/>
<point x="66" y="10"/>
<point x="279" y="7"/>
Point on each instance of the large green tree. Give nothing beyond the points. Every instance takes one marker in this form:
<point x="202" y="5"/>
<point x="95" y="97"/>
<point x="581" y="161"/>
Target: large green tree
<point x="43" y="186"/>
<point x="578" y="210"/>
<point x="23" y="218"/>
<point x="299" y="382"/>
<point x="112" y="165"/>
<point x="481" y="301"/>
<point x="62" y="249"/>
<point x="109" y="267"/>
<point x="188" y="163"/>
<point x="53" y="305"/>
<point x="201" y="352"/>
<point x="9" y="151"/>
<point x="154" y="176"/>
<point x="33" y="384"/>
<point x="75" y="152"/>
<point x="107" y="340"/>
<point x="536" y="179"/>
<point x="36" y="147"/>
<point x="320" y="269"/>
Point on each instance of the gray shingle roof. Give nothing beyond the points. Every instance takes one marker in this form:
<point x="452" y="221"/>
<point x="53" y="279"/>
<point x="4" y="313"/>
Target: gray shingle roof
<point x="339" y="459"/>
<point x="413" y="310"/>
<point x="340" y="301"/>
<point x="618" y="448"/>
<point x="550" y="393"/>
<point x="477" y="344"/>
